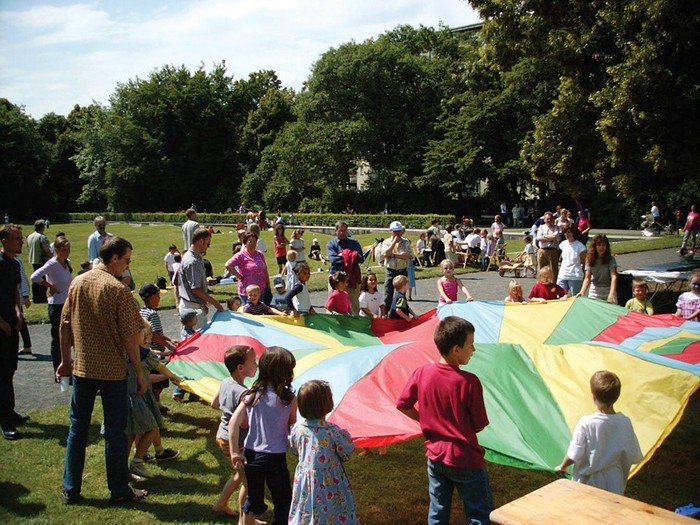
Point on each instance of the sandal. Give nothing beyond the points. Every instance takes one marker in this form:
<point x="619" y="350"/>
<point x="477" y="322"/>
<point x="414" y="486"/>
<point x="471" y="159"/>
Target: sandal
<point x="133" y="496"/>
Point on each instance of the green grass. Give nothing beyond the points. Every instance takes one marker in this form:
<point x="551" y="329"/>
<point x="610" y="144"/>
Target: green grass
<point x="390" y="489"/>
<point x="151" y="243"/>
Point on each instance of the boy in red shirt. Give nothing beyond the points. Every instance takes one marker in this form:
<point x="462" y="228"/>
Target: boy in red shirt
<point x="451" y="413"/>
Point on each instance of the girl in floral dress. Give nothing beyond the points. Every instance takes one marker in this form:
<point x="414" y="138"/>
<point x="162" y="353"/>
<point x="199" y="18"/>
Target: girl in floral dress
<point x="322" y="491"/>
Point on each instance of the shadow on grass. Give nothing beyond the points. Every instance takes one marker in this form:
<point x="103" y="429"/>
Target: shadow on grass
<point x="58" y="433"/>
<point x="10" y="501"/>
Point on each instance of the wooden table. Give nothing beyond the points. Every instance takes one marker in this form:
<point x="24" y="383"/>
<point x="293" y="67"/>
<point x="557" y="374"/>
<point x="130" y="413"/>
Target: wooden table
<point x="566" y="502"/>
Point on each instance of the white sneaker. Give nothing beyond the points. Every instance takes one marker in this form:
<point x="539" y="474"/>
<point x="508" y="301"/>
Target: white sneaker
<point x="139" y="469"/>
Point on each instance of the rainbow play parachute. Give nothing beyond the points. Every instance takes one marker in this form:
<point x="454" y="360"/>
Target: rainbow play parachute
<point x="533" y="360"/>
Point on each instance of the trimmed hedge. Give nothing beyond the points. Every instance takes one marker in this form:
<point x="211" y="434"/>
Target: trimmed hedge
<point x="314" y="219"/>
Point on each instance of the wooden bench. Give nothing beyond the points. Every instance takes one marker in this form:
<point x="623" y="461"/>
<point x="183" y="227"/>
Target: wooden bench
<point x="567" y="502"/>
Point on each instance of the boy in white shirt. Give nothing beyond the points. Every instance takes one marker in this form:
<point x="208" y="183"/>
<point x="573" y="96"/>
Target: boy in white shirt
<point x="603" y="447"/>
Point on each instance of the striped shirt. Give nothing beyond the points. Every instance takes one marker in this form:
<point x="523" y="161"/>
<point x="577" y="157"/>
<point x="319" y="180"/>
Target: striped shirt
<point x="151" y="315"/>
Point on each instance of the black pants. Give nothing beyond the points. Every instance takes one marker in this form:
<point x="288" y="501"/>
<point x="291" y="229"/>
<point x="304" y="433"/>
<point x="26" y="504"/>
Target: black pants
<point x="38" y="292"/>
<point x="26" y="338"/>
<point x="55" y="319"/>
<point x="8" y="366"/>
<point x="272" y="469"/>
<point x="389" y="286"/>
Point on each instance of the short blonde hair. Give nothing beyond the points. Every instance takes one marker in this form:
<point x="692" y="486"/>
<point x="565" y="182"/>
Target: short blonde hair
<point x="400" y="281"/>
<point x="251" y="288"/>
<point x="545" y="270"/>
<point x="291" y="255"/>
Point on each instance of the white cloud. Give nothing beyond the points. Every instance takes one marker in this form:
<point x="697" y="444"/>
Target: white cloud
<point x="55" y="57"/>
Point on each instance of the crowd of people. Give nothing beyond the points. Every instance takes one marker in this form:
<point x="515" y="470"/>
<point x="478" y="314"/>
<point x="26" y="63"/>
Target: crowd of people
<point x="104" y="342"/>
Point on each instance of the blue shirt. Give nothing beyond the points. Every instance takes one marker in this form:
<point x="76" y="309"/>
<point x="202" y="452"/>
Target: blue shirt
<point x="335" y="246"/>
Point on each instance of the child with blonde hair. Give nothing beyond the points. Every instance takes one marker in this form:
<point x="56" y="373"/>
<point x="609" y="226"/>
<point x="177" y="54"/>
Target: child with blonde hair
<point x="546" y="289"/>
<point x="688" y="305"/>
<point x="321" y="448"/>
<point x="639" y="301"/>
<point x="515" y="293"/>
<point x="448" y="286"/>
<point x="603" y="447"/>
<point x="400" y="308"/>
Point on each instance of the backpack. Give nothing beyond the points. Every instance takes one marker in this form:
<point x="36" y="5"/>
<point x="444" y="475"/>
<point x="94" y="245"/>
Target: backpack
<point x="161" y="283"/>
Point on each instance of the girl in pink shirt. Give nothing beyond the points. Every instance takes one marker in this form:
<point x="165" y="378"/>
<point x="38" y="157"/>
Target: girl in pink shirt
<point x="448" y="285"/>
<point x="338" y="300"/>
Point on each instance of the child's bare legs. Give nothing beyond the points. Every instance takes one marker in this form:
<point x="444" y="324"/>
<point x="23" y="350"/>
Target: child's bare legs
<point x="221" y="505"/>
<point x="144" y="443"/>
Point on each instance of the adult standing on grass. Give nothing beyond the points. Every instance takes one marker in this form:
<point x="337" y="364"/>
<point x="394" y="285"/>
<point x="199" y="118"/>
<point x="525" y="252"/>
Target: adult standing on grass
<point x="249" y="267"/>
<point x="192" y="279"/>
<point x="548" y="253"/>
<point x="345" y="254"/>
<point x="600" y="281"/>
<point x="39" y="251"/>
<point x="56" y="276"/>
<point x="101" y="321"/>
<point x="10" y="326"/>
<point x="396" y="252"/>
<point x="97" y="238"/>
<point x="188" y="228"/>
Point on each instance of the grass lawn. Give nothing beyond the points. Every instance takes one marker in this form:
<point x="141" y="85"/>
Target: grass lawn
<point x="389" y="490"/>
<point x="151" y="242"/>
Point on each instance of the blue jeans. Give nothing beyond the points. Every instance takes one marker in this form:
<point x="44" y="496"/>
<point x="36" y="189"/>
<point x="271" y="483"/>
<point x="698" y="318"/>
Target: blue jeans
<point x="472" y="486"/>
<point x="570" y="285"/>
<point x="114" y="404"/>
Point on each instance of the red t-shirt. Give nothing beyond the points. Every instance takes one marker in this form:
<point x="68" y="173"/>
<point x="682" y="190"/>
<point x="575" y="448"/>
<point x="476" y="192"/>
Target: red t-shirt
<point x="451" y="406"/>
<point x="280" y="244"/>
<point x="339" y="302"/>
<point x="548" y="292"/>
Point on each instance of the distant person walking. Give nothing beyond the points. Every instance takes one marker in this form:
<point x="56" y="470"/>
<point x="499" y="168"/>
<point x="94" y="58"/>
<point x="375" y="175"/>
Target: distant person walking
<point x="39" y="251"/>
<point x="188" y="228"/>
<point x="97" y="238"/>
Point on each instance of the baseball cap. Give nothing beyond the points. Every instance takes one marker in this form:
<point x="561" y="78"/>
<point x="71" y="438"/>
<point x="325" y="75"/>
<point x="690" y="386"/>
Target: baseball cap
<point x="279" y="282"/>
<point x="147" y="290"/>
<point x="396" y="226"/>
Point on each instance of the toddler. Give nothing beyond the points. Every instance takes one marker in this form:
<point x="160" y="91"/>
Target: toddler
<point x="338" y="300"/>
<point x="255" y="306"/>
<point x="688" y="305"/>
<point x="603" y="447"/>
<point x="288" y="270"/>
<point x="144" y="420"/>
<point x="400" y="308"/>
<point x="515" y="293"/>
<point x="448" y="285"/>
<point x="315" y="250"/>
<point x="321" y="447"/>
<point x="233" y="303"/>
<point x="268" y="410"/>
<point x="488" y="251"/>
<point x="298" y="297"/>
<point x="279" y="298"/>
<point x="371" y="303"/>
<point x="640" y="303"/>
<point x="240" y="363"/>
<point x="546" y="289"/>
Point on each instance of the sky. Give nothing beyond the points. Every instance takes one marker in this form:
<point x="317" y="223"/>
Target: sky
<point x="55" y="54"/>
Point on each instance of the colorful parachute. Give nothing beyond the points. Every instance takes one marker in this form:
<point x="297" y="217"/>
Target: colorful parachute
<point x="533" y="360"/>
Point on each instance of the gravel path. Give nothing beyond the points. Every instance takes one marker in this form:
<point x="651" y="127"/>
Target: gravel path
<point x="35" y="389"/>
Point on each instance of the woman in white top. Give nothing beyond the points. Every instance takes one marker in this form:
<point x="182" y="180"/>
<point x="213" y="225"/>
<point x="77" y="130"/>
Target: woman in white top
<point x="56" y="275"/>
<point x="573" y="256"/>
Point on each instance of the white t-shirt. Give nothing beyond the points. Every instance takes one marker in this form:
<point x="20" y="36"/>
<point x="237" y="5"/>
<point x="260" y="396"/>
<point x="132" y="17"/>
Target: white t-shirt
<point x="169" y="260"/>
<point x="473" y="240"/>
<point x="261" y="246"/>
<point x="371" y="301"/>
<point x="571" y="267"/>
<point x="604" y="448"/>
<point x="298" y="246"/>
<point x="176" y="267"/>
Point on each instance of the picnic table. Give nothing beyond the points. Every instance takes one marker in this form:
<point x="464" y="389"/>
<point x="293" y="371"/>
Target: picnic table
<point x="564" y="501"/>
